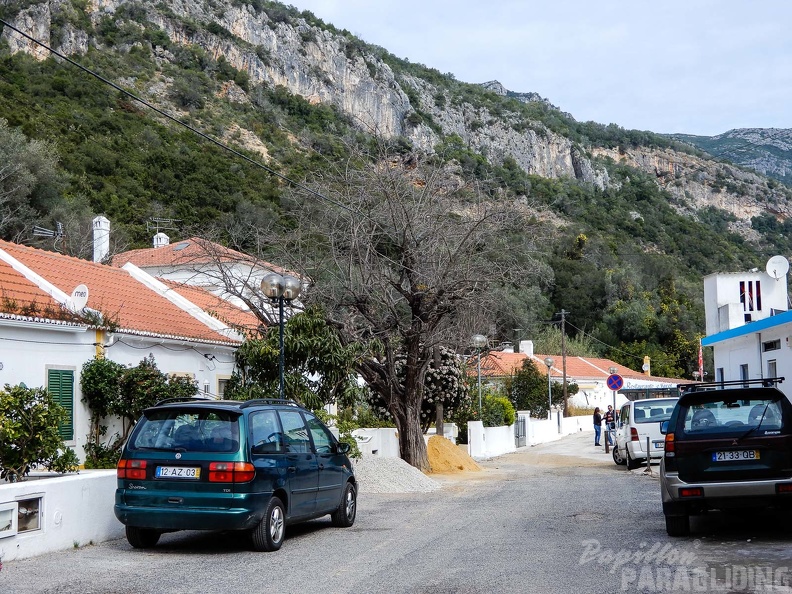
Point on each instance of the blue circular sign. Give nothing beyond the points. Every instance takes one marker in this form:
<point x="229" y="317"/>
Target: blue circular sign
<point x="615" y="382"/>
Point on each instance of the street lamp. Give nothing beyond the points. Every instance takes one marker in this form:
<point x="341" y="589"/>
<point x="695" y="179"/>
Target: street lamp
<point x="549" y="362"/>
<point x="479" y="341"/>
<point x="281" y="288"/>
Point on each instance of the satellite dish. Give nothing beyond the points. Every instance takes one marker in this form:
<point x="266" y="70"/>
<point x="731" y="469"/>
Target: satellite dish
<point x="777" y="266"/>
<point x="79" y="297"/>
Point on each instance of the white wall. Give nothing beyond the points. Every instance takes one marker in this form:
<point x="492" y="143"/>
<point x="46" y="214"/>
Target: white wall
<point x="29" y="350"/>
<point x="76" y="510"/>
<point x="378" y="442"/>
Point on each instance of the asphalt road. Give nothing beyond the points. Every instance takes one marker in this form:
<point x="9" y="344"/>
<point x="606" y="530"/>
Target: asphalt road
<point x="555" y="518"/>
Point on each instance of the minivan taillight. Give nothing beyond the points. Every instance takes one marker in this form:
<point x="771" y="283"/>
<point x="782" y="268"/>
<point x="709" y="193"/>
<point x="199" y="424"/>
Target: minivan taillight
<point x="131" y="469"/>
<point x="231" y="472"/>
<point x="634" y="434"/>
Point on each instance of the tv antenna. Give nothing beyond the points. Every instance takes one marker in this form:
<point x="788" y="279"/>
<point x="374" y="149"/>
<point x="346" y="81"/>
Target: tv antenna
<point x="58" y="234"/>
<point x="161" y="224"/>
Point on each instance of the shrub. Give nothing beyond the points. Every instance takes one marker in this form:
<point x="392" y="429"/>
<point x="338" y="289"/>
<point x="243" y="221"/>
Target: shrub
<point x="29" y="436"/>
<point x="497" y="411"/>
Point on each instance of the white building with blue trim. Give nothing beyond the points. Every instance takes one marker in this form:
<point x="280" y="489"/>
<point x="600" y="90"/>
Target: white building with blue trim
<point x="749" y="325"/>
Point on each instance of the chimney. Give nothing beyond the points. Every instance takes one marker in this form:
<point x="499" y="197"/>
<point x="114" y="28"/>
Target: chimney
<point x="101" y="238"/>
<point x="526" y="346"/>
<point x="161" y="240"/>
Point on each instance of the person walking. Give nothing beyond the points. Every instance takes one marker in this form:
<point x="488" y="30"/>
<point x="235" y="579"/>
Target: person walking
<point x="597" y="426"/>
<point x="610" y="423"/>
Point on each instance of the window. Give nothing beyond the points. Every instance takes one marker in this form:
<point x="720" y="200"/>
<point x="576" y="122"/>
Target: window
<point x="267" y="435"/>
<point x="222" y="383"/>
<point x="322" y="438"/>
<point x="771" y="345"/>
<point x="296" y="433"/>
<point x="772" y="368"/>
<point x="60" y="384"/>
<point x="29" y="514"/>
<point x="744" y="373"/>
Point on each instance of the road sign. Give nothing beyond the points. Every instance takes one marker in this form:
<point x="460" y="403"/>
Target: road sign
<point x="615" y="382"/>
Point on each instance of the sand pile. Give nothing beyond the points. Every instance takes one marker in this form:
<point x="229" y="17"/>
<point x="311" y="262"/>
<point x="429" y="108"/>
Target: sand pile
<point x="445" y="456"/>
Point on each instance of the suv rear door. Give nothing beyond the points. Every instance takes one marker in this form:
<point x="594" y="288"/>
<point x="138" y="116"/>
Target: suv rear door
<point x="737" y="434"/>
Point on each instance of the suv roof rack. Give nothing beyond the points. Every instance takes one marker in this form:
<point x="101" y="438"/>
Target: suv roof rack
<point x="255" y="401"/>
<point x="767" y="382"/>
<point x="183" y="399"/>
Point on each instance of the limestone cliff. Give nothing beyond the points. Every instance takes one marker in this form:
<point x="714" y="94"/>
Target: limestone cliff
<point x="324" y="65"/>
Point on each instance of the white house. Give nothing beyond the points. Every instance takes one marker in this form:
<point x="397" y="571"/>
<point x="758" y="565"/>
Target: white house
<point x="749" y="325"/>
<point x="42" y="346"/>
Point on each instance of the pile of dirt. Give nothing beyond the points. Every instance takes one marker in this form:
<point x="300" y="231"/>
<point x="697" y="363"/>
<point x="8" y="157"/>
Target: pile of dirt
<point x="444" y="456"/>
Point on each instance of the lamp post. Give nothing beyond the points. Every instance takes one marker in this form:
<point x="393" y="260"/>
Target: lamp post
<point x="549" y="362"/>
<point x="479" y="341"/>
<point x="281" y="288"/>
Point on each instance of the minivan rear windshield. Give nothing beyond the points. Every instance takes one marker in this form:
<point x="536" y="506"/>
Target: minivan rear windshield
<point x="187" y="430"/>
<point x="653" y="411"/>
<point x="728" y="415"/>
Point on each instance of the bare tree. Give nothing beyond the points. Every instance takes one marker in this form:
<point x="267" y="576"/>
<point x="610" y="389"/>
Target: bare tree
<point x="401" y="251"/>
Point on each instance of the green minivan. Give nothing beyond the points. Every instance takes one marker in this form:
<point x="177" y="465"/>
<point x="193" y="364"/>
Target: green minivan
<point x="252" y="466"/>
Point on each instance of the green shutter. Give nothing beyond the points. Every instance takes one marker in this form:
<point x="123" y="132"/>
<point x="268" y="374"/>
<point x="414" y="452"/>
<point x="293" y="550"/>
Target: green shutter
<point x="60" y="384"/>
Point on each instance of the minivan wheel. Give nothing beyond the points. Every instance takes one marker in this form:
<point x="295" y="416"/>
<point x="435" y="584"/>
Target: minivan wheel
<point x="617" y="457"/>
<point x="344" y="516"/>
<point x="677" y="525"/>
<point x="142" y="538"/>
<point x="268" y="534"/>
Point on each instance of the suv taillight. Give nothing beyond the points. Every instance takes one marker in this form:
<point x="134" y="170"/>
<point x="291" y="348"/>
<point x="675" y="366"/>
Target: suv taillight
<point x="131" y="469"/>
<point x="634" y="434"/>
<point x="669" y="444"/>
<point x="231" y="472"/>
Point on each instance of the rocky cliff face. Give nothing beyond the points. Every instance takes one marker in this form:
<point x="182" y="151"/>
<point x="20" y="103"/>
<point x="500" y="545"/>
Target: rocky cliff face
<point x="766" y="150"/>
<point x="324" y="66"/>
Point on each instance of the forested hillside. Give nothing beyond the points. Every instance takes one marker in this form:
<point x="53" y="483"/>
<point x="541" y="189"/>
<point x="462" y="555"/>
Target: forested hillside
<point x="633" y="219"/>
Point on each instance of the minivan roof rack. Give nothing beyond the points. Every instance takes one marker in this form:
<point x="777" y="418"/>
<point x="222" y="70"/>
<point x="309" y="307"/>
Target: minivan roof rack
<point x="766" y="382"/>
<point x="183" y="399"/>
<point x="255" y="401"/>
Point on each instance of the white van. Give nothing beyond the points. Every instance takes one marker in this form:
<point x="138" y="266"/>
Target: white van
<point x="638" y="420"/>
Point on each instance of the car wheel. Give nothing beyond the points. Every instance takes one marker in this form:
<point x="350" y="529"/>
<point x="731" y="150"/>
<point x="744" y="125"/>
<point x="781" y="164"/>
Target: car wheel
<point x="344" y="516"/>
<point x="617" y="457"/>
<point x="631" y="464"/>
<point x="142" y="538"/>
<point x="677" y="525"/>
<point x="268" y="534"/>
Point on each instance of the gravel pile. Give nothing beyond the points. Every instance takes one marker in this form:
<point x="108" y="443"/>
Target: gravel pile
<point x="378" y="474"/>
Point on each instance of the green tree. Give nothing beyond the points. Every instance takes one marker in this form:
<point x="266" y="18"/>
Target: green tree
<point x="527" y="390"/>
<point x="143" y="386"/>
<point x="29" y="420"/>
<point x="318" y="368"/>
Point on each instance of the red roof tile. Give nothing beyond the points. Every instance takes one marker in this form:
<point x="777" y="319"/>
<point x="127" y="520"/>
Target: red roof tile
<point x="502" y="364"/>
<point x="226" y="312"/>
<point x="112" y="291"/>
<point x="192" y="251"/>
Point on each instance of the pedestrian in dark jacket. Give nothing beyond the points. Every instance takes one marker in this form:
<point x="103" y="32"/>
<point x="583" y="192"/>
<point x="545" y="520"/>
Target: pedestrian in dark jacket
<point x="597" y="426"/>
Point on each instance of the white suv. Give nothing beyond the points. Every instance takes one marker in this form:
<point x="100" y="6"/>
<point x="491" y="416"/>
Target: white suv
<point x="638" y="420"/>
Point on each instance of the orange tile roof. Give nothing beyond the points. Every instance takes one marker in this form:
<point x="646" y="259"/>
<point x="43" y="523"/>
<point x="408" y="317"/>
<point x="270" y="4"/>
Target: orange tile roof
<point x="502" y="364"/>
<point x="112" y="291"/>
<point x="194" y="250"/>
<point x="243" y="320"/>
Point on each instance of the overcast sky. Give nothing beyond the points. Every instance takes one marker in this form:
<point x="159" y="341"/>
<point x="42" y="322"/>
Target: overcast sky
<point x="690" y="66"/>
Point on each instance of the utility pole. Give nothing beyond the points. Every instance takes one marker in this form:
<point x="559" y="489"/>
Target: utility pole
<point x="563" y="359"/>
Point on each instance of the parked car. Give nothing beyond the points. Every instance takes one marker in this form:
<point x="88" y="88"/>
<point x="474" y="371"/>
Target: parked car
<point x="727" y="445"/>
<point x="639" y="420"/>
<point x="253" y="466"/>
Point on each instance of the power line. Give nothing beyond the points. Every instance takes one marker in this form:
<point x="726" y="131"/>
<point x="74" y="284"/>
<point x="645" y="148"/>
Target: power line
<point x="179" y="122"/>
